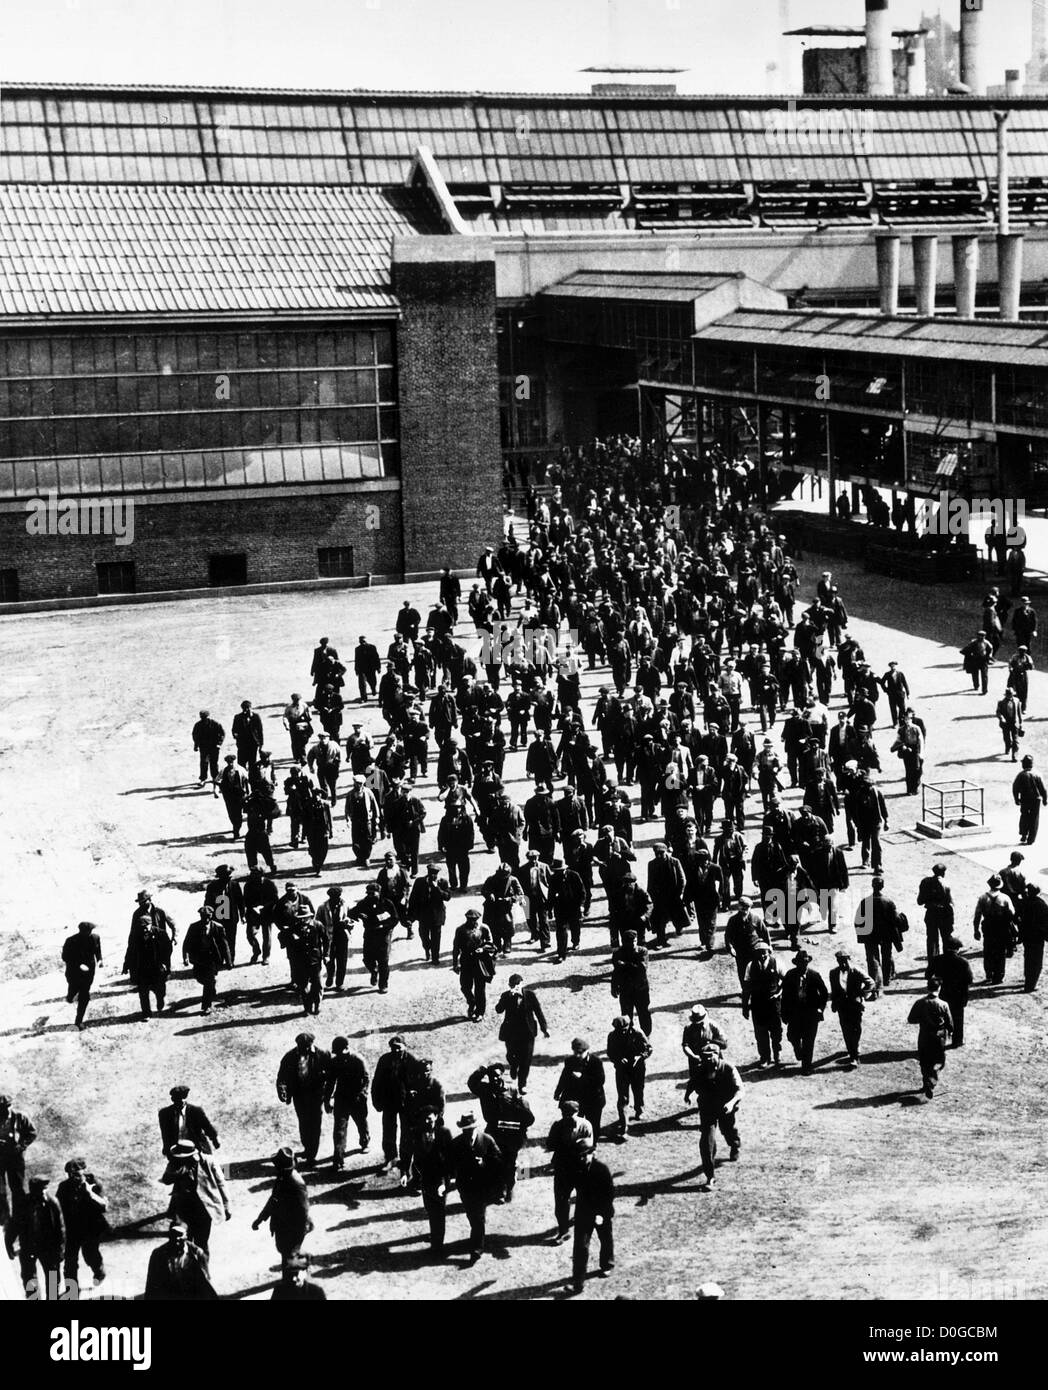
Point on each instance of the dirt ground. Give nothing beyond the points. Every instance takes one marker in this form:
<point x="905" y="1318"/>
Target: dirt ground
<point x="850" y="1185"/>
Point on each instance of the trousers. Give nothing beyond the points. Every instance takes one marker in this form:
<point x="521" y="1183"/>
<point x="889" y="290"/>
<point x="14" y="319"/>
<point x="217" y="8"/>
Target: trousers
<point x="585" y="1225"/>
<point x="310" y="1112"/>
<point x="708" y="1139"/>
<point x="357" y="1110"/>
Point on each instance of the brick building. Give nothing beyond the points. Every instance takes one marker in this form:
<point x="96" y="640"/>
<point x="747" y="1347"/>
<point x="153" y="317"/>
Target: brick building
<point x="303" y="332"/>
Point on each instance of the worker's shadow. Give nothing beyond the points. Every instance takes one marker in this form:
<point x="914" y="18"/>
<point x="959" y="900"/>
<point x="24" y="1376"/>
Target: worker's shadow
<point x="555" y="1289"/>
<point x="646" y="1192"/>
<point x="872" y="1102"/>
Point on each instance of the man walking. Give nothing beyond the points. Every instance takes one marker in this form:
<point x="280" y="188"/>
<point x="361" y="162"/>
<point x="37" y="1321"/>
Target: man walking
<point x="388" y="1089"/>
<point x="234" y="788"/>
<point x="594" y="1211"/>
<point x="473" y="960"/>
<point x="206" y="951"/>
<point x="762" y="1001"/>
<point x="995" y="924"/>
<point x="582" y="1080"/>
<point x="1029" y="794"/>
<point x="181" y="1121"/>
<point x="563" y="1143"/>
<point x="719" y="1094"/>
<point x="934" y="896"/>
<point x="523" y="1018"/>
<point x="849" y="990"/>
<point x="83" y="1205"/>
<point x="628" y="1052"/>
<point x="804" y="1000"/>
<point x="629" y="981"/>
<point x="346" y="1096"/>
<point x="226" y="898"/>
<point x="427" y="905"/>
<point x="248" y="735"/>
<point x="208" y="738"/>
<point x="935" y="1026"/>
<point x="301" y="1080"/>
<point x="81" y="957"/>
<point x="477" y="1165"/>
<point x="879" y="926"/>
<point x="957" y="979"/>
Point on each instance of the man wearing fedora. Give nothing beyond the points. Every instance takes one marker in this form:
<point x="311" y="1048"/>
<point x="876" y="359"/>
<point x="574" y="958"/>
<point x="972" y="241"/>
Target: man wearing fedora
<point x="198" y="1191"/>
<point x="301" y="1080"/>
<point x="432" y="1171"/>
<point x="206" y="951"/>
<point x="477" y="1166"/>
<point x="804" y="1000"/>
<point x="346" y="1094"/>
<point x="287" y="1207"/>
<point x="226" y="897"/>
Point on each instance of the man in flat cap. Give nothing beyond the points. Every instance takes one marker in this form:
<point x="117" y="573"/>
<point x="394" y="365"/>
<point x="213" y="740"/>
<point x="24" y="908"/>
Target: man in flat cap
<point x="935" y="1024"/>
<point x="594" y="1211"/>
<point x="473" y="960"/>
<point x="995" y="922"/>
<point x="83" y="1205"/>
<point x="180" y="1120"/>
<point x="294" y="1286"/>
<point x="718" y="1095"/>
<point x="178" y="1270"/>
<point x="40" y="1233"/>
<point x="301" y="1080"/>
<point x="81" y="957"/>
<point x="1029" y="794"/>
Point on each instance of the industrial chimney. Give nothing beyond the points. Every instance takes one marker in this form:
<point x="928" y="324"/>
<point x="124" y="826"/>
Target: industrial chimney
<point x="971" y="36"/>
<point x="880" y="77"/>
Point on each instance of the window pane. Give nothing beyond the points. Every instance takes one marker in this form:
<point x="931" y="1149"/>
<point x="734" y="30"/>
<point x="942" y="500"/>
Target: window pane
<point x="106" y="395"/>
<point x="39" y="357"/>
<point x="149" y="433"/>
<point x="7" y="479"/>
<point x="194" y="466"/>
<point x="91" y="475"/>
<point x="314" y="465"/>
<point x="187" y="353"/>
<point x="253" y="470"/>
<point x="84" y="403"/>
<point x="325" y="349"/>
<point x="287" y="427"/>
<point x="207" y="351"/>
<point x="386" y="386"/>
<point x="309" y="430"/>
<point x="25" y="478"/>
<point x="62" y="440"/>
<point x="47" y="475"/>
<point x="387" y="424"/>
<point x="307" y="350"/>
<point x="112" y="480"/>
<point x="105" y="355"/>
<point x="355" y="388"/>
<point x="87" y="437"/>
<point x="132" y="471"/>
<point x="232" y="433"/>
<point x="294" y="467"/>
<point x="83" y="357"/>
<point x="61" y="356"/>
<point x="273" y="461"/>
<point x="145" y="354"/>
<point x="384" y="346"/>
<point x="68" y="475"/>
<point x="172" y="471"/>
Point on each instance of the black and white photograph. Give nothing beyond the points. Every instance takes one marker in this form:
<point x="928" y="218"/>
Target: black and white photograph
<point x="523" y="707"/>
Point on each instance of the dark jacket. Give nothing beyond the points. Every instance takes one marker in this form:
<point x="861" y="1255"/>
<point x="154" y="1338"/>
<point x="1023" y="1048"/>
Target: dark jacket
<point x="594" y="1191"/>
<point x="848" y="993"/>
<point x="189" y="1283"/>
<point x="477" y="1164"/>
<point x="524" y="1016"/>
<point x="208" y="733"/>
<point x="799" y="998"/>
<point x="199" y="1129"/>
<point x="582" y="1081"/>
<point x="290" y="1086"/>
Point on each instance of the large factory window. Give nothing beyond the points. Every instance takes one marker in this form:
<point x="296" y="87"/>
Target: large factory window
<point x="294" y="405"/>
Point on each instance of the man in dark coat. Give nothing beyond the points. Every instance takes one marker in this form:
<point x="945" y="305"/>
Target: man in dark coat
<point x="40" y="1233"/>
<point x="178" y="1271"/>
<point x="594" y="1211"/>
<point x="83" y="1205"/>
<point x="563" y="1144"/>
<point x="427" y="905"/>
<point x="718" y="1095"/>
<point x="507" y="1119"/>
<point x="935" y="1023"/>
<point x="226" y="897"/>
<point x="762" y="1001"/>
<point x="379" y="922"/>
<point x="473" y="960"/>
<point x="582" y="1080"/>
<point x="81" y="957"/>
<point x="180" y="1121"/>
<point x="957" y="979"/>
<point x="234" y="787"/>
<point x="148" y="961"/>
<point x="804" y="1000"/>
<point x="567" y="898"/>
<point x="666" y="888"/>
<point x="432" y="1171"/>
<point x="346" y="1095"/>
<point x="1029" y="794"/>
<point x="301" y="1079"/>
<point x="523" y="1018"/>
<point x="287" y="1208"/>
<point x="629" y="981"/>
<point x="388" y="1088"/>
<point x="534" y="878"/>
<point x="849" y="990"/>
<point x="366" y="665"/>
<point x="260" y="896"/>
<point x="869" y="814"/>
<point x="934" y="896"/>
<point x="248" y="735"/>
<point x="995" y="923"/>
<point x="294" y="1287"/>
<point x="1033" y="933"/>
<point x="879" y="925"/>
<point x="208" y="738"/>
<point x="478" y="1168"/>
<point x="206" y="951"/>
<point x="628" y="1052"/>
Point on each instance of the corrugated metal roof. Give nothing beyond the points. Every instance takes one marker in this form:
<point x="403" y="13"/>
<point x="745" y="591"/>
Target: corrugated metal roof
<point x="638" y="285"/>
<point x="180" y="250"/>
<point x="958" y="339"/>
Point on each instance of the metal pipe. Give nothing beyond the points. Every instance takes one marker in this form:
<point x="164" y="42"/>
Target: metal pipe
<point x="1010" y="274"/>
<point x="880" y="76"/>
<point x="917" y="67"/>
<point x="1013" y="82"/>
<point x="925" y="273"/>
<point x="971" y="43"/>
<point x="1004" y="212"/>
<point x="965" y="273"/>
<point x="888" y="259"/>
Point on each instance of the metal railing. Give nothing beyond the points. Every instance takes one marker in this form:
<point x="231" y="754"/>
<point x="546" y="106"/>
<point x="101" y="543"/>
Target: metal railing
<point x="944" y="804"/>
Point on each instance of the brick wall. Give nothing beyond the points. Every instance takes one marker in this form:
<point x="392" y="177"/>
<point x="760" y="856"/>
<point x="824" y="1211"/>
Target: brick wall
<point x="173" y="541"/>
<point x="450" y="443"/>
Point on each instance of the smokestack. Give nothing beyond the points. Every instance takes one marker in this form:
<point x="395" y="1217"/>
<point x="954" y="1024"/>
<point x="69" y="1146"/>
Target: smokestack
<point x="925" y="273"/>
<point x="1013" y="83"/>
<point x="971" y="58"/>
<point x="880" y="77"/>
<point x="888" y="259"/>
<point x="917" y="67"/>
<point x="965" y="273"/>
